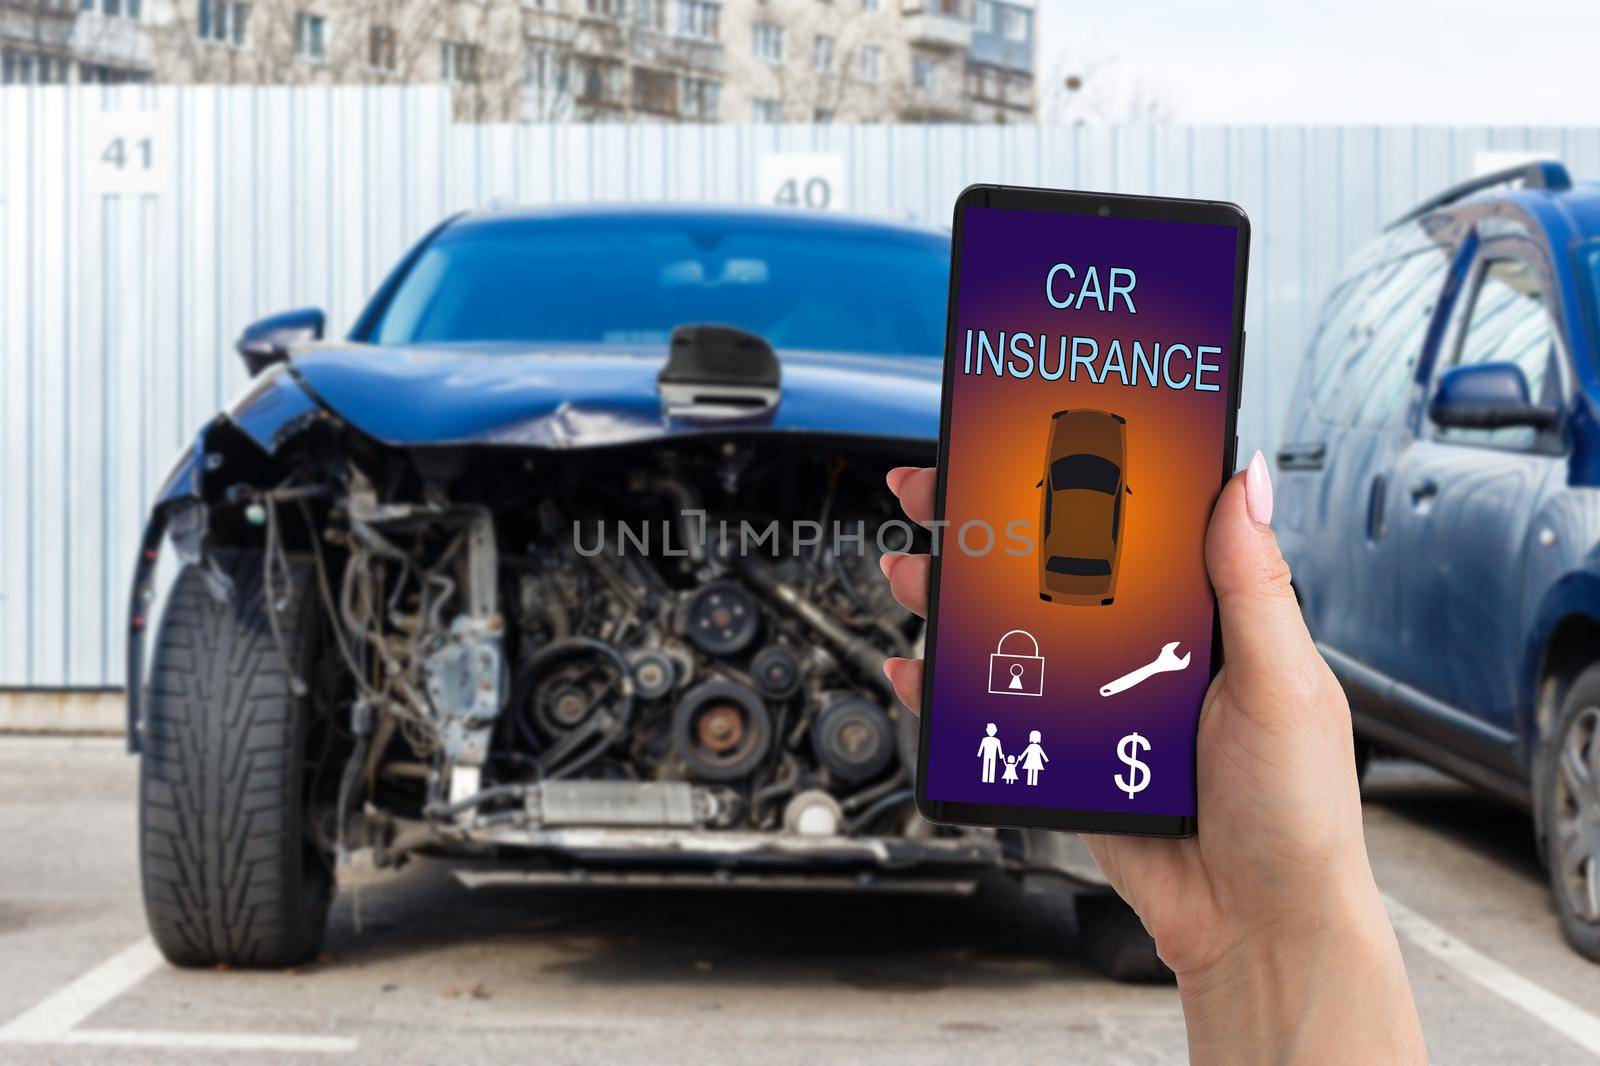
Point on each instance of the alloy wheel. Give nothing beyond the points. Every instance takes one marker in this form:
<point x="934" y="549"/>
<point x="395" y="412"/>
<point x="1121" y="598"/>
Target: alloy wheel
<point x="1576" y="851"/>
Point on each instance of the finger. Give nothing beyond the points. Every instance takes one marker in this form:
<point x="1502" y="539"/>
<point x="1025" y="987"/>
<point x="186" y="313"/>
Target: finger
<point x="914" y="485"/>
<point x="908" y="580"/>
<point x="1263" y="635"/>
<point x="906" y="674"/>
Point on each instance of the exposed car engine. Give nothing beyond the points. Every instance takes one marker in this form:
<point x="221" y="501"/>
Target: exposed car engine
<point x="516" y="661"/>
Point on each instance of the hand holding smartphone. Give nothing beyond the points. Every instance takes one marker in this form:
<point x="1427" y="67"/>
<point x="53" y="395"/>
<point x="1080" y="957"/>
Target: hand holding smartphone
<point x="1092" y="369"/>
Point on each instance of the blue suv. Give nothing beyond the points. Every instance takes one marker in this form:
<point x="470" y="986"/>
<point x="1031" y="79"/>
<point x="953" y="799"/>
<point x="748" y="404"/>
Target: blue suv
<point x="1440" y="502"/>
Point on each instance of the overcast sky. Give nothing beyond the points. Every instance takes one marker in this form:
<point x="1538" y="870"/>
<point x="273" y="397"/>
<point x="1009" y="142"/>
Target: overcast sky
<point x="1354" y="61"/>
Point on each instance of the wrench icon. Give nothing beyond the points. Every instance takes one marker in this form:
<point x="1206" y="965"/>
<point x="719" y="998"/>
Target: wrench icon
<point x="1166" y="662"/>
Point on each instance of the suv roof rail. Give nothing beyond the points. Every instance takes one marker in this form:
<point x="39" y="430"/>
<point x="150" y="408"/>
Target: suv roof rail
<point x="1543" y="174"/>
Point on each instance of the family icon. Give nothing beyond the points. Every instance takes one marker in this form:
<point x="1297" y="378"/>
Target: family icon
<point x="992" y="752"/>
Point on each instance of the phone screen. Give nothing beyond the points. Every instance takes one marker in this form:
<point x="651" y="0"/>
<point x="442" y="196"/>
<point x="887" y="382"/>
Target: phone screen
<point x="1088" y="426"/>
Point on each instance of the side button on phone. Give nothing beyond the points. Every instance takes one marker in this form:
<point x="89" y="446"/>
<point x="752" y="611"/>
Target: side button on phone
<point x="1244" y="337"/>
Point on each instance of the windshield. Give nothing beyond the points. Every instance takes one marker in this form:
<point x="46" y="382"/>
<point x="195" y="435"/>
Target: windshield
<point x="1085" y="472"/>
<point x="626" y="281"/>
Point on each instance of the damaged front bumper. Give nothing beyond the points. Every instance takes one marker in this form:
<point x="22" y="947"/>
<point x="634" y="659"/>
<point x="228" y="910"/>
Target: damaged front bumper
<point x="649" y="857"/>
<point x="664" y="832"/>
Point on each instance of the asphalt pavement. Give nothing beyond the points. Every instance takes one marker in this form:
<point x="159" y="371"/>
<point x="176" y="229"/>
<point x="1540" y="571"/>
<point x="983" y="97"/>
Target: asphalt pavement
<point x="421" y="969"/>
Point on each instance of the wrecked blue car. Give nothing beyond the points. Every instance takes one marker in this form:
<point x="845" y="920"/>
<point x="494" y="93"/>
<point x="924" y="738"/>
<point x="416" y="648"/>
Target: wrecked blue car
<point x="564" y="563"/>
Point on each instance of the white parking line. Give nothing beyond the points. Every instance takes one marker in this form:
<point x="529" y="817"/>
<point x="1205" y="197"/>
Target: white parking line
<point x="156" y="1038"/>
<point x="1565" y="1017"/>
<point x="56" y="1019"/>
<point x="58" y="1015"/>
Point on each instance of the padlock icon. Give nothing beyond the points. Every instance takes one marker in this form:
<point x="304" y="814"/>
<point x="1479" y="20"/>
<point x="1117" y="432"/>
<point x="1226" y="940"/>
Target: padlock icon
<point x="1016" y="675"/>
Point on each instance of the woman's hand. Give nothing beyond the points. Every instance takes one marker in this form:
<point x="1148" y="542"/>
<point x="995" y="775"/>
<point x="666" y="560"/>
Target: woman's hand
<point x="1269" y="916"/>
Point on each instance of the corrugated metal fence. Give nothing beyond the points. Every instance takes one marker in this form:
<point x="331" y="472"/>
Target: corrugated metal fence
<point x="140" y="228"/>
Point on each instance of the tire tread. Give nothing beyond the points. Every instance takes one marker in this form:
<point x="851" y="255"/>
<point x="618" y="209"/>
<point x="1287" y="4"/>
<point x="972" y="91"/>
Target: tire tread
<point x="222" y="852"/>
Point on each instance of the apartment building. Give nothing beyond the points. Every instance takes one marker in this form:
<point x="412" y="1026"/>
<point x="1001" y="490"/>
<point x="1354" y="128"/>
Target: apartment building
<point x="47" y="42"/>
<point x="781" y="60"/>
<point x="566" y="60"/>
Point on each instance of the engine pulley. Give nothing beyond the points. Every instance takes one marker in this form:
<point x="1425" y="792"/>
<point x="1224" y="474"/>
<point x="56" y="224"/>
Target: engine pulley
<point x="562" y="706"/>
<point x="852" y="737"/>
<point x="721" y="618"/>
<point x="721" y="730"/>
<point x="654" y="674"/>
<point x="776" y="672"/>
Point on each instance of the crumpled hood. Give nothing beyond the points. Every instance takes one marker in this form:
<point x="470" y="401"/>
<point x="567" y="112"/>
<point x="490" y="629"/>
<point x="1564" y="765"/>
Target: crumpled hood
<point x="584" y="396"/>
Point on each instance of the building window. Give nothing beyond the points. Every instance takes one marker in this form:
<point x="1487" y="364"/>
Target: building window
<point x="655" y="90"/>
<point x="983" y="16"/>
<point x="458" y="62"/>
<point x="613" y="8"/>
<point x="822" y="53"/>
<point x="208" y="21"/>
<point x="699" y="19"/>
<point x="766" y="110"/>
<point x="870" y="55"/>
<point x="767" y="42"/>
<point x="380" y="49"/>
<point x="922" y="72"/>
<point x="222" y="22"/>
<point x="1019" y="91"/>
<point x="869" y="5"/>
<point x="698" y="97"/>
<point x="650" y="14"/>
<point x="547" y="70"/>
<point x="239" y="25"/>
<point x="1015" y="23"/>
<point x="600" y="81"/>
<point x="110" y="8"/>
<point x="823" y="116"/>
<point x="311" y="37"/>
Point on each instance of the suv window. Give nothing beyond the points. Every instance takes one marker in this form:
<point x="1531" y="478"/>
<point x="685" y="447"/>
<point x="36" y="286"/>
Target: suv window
<point x="1373" y="328"/>
<point x="1509" y="323"/>
<point x="1338" y="340"/>
<point x="1405" y="307"/>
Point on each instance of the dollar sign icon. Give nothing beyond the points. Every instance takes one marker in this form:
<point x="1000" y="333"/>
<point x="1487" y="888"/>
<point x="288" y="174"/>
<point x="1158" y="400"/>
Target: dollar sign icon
<point x="1138" y="773"/>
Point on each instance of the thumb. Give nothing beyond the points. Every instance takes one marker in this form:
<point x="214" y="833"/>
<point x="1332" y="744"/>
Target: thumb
<point x="1264" y="638"/>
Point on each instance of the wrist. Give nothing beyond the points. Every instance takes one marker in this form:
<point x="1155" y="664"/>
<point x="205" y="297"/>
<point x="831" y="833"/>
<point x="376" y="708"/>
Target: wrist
<point x="1327" y="976"/>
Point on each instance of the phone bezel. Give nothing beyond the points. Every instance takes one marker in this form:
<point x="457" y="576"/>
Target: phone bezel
<point x="1094" y="205"/>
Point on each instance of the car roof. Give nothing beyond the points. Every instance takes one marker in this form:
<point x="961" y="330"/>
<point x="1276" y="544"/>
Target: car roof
<point x="1563" y="214"/>
<point x="835" y="222"/>
<point x="1579" y="205"/>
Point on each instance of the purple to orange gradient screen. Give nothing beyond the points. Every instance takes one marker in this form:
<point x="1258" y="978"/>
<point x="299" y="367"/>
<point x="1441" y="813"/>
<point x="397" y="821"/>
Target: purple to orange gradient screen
<point x="995" y="460"/>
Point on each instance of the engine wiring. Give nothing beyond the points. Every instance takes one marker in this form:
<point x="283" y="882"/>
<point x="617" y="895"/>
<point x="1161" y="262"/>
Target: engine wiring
<point x="394" y="589"/>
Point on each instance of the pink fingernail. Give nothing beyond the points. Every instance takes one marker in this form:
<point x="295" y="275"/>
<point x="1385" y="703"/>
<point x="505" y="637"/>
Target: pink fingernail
<point x="1258" y="491"/>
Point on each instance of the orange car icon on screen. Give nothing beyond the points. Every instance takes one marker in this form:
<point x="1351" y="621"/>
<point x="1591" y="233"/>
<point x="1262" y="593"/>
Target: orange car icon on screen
<point x="1081" y="507"/>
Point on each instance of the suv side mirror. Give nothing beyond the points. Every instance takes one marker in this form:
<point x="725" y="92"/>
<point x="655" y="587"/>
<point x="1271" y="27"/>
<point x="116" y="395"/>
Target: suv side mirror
<point x="267" y="340"/>
<point x="1487" y="396"/>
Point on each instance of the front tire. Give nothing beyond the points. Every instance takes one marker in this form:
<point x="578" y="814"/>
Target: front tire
<point x="1569" y="804"/>
<point x="231" y="874"/>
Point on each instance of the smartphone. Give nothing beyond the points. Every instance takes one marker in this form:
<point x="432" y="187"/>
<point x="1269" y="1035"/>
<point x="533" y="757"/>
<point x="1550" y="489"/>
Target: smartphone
<point x="1093" y="356"/>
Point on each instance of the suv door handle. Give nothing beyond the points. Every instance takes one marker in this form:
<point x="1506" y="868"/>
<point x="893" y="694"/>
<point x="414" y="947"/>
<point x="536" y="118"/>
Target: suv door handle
<point x="1426" y="489"/>
<point x="1376" y="496"/>
<point x="1302" y="455"/>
